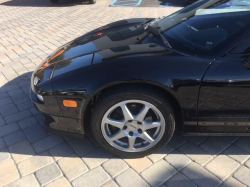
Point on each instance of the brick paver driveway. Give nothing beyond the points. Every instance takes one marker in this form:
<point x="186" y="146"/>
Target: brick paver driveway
<point x="32" y="29"/>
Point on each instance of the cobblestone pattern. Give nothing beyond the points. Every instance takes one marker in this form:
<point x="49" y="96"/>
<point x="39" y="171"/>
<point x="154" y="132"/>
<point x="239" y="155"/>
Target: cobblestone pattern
<point x="29" y="31"/>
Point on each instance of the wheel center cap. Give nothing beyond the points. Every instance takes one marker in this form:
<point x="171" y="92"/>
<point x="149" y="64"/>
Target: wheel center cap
<point x="132" y="126"/>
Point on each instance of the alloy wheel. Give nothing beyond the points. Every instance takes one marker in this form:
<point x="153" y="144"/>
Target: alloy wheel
<point x="133" y="126"/>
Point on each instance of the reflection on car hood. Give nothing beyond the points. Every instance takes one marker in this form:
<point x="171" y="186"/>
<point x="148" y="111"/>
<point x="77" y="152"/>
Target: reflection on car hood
<point x="122" y="33"/>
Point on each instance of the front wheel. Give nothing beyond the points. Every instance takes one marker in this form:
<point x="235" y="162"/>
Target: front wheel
<point x="92" y="1"/>
<point x="133" y="122"/>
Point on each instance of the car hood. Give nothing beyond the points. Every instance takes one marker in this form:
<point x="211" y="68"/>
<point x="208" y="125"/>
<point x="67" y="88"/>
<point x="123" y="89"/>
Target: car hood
<point x="121" y="33"/>
<point x="127" y="37"/>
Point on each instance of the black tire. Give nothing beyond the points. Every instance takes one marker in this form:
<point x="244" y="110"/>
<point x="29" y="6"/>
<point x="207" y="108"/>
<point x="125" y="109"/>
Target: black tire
<point x="112" y="97"/>
<point x="54" y="1"/>
<point x="92" y="1"/>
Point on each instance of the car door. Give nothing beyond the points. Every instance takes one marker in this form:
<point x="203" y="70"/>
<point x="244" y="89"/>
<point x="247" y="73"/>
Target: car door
<point x="224" y="99"/>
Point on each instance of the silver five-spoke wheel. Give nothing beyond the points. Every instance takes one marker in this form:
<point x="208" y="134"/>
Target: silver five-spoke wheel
<point x="133" y="126"/>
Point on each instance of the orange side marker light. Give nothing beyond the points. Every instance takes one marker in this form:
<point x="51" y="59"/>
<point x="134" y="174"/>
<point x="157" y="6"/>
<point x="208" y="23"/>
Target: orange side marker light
<point x="70" y="103"/>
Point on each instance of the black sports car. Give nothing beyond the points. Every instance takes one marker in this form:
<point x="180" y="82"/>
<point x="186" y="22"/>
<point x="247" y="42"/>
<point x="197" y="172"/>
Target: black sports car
<point x="135" y="82"/>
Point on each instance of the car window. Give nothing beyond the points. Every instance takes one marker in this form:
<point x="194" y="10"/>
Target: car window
<point x="206" y="26"/>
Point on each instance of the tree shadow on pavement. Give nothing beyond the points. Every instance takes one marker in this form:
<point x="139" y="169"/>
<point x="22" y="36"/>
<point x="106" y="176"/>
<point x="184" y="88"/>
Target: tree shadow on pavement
<point x="43" y="3"/>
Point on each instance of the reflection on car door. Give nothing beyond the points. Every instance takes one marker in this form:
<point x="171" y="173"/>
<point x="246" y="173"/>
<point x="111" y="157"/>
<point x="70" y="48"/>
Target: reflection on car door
<point x="224" y="100"/>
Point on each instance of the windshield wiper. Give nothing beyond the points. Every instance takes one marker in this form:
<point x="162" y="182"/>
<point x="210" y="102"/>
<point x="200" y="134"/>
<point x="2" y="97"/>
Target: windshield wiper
<point x="155" y="32"/>
<point x="152" y="22"/>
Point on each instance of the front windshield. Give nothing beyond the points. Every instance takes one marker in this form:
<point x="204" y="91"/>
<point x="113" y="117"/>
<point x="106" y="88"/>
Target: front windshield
<point x="206" y="26"/>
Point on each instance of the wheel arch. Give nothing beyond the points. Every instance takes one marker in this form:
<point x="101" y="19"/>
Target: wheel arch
<point x="178" y="112"/>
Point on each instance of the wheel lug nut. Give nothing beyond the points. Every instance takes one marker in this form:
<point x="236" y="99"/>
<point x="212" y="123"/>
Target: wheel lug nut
<point x="129" y="121"/>
<point x="139" y="123"/>
<point x="140" y="131"/>
<point x="131" y="133"/>
<point x="124" y="128"/>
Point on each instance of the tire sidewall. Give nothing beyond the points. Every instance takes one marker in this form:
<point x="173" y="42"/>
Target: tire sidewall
<point x="161" y="104"/>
